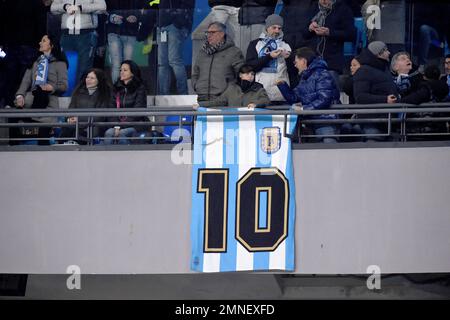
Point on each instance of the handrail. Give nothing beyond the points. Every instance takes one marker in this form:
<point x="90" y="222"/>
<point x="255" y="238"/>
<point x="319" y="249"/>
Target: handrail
<point x="394" y="114"/>
<point x="177" y="111"/>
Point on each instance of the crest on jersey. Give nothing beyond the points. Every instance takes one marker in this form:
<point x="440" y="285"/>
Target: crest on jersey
<point x="271" y="139"/>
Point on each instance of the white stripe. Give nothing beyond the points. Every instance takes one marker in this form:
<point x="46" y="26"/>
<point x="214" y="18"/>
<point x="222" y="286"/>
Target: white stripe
<point x="277" y="260"/>
<point x="247" y="160"/>
<point x="213" y="159"/>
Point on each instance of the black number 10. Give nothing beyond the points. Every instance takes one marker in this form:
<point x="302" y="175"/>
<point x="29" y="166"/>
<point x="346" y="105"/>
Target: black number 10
<point x="213" y="183"/>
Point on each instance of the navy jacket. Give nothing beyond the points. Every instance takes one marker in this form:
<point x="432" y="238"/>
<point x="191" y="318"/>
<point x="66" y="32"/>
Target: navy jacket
<point x="316" y="89"/>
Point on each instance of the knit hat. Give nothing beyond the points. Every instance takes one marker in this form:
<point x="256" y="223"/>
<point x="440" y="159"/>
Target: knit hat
<point x="376" y="47"/>
<point x="274" y="19"/>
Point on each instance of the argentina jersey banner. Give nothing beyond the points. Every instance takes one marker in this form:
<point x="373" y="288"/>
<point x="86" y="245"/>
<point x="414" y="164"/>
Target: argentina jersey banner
<point x="243" y="194"/>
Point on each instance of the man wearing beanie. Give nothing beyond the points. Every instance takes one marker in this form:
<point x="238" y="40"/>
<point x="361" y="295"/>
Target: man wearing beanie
<point x="372" y="83"/>
<point x="267" y="55"/>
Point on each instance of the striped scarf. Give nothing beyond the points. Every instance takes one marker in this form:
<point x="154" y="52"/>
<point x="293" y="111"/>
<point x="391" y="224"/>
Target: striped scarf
<point x="211" y="49"/>
<point x="42" y="70"/>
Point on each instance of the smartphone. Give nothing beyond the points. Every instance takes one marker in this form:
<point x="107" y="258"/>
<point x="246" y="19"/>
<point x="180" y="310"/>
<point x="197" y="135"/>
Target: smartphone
<point x="2" y="53"/>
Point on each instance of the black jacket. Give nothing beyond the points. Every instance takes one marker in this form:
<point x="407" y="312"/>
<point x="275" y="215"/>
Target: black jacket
<point x="252" y="59"/>
<point x="131" y="95"/>
<point x="347" y="87"/>
<point x="256" y="11"/>
<point x="427" y="91"/>
<point x="125" y="8"/>
<point x="176" y="12"/>
<point x="373" y="82"/>
<point x="340" y="21"/>
<point x="296" y="15"/>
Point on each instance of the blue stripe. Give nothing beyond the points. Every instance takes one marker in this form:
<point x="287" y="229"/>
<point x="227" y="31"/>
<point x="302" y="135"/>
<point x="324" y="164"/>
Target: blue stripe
<point x="261" y="259"/>
<point x="230" y="161"/>
<point x="290" y="241"/>
<point x="197" y="222"/>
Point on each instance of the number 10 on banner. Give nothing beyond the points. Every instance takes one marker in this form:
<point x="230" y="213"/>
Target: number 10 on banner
<point x="255" y="186"/>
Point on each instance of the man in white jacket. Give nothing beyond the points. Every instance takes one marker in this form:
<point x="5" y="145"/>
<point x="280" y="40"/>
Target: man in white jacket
<point x="78" y="25"/>
<point x="267" y="55"/>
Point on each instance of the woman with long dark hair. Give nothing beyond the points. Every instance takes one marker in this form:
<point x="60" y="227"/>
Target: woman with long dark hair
<point x="93" y="91"/>
<point x="129" y="92"/>
<point x="44" y="82"/>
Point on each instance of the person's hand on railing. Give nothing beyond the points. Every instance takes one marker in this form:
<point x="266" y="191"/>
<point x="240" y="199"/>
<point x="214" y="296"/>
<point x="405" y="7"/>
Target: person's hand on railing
<point x="251" y="106"/>
<point x="20" y="101"/>
<point x="195" y="106"/>
<point x="391" y="99"/>
<point x="72" y="120"/>
<point x="297" y="107"/>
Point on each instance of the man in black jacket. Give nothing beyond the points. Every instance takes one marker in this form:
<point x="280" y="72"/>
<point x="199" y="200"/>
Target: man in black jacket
<point x="329" y="28"/>
<point x="373" y="82"/>
<point x="446" y="78"/>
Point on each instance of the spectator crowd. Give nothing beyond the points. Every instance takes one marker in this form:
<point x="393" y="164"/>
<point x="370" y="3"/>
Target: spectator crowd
<point x="245" y="53"/>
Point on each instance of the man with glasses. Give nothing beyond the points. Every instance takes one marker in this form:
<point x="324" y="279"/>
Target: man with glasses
<point x="217" y="63"/>
<point x="223" y="11"/>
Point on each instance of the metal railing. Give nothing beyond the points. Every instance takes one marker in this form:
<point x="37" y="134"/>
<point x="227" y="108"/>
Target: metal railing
<point x="396" y="119"/>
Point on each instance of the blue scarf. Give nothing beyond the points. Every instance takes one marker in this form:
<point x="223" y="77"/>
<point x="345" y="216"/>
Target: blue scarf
<point x="270" y="44"/>
<point x="403" y="83"/>
<point x="42" y="70"/>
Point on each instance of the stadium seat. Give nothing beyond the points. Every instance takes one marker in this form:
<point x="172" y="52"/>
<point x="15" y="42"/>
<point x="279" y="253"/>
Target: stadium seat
<point x="173" y="134"/>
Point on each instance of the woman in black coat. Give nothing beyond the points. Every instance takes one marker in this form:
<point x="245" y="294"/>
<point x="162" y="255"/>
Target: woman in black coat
<point x="129" y="92"/>
<point x="94" y="91"/>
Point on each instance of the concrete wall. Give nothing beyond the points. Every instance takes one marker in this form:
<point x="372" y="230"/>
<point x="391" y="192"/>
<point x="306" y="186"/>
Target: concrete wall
<point x="126" y="212"/>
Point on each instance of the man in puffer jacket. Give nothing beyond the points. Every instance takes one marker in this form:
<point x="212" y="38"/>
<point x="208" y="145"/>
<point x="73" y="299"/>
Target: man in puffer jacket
<point x="78" y="25"/>
<point x="316" y="90"/>
<point x="217" y="63"/>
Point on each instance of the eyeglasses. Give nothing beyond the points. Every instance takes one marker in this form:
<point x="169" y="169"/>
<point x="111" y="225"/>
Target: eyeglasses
<point x="212" y="32"/>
